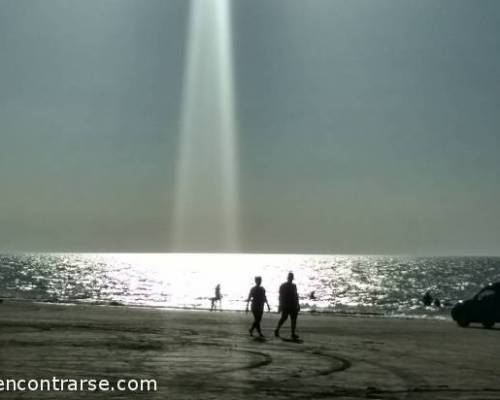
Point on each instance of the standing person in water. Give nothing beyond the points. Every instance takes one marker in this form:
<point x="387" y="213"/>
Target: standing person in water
<point x="216" y="298"/>
<point x="258" y="296"/>
<point x="289" y="305"/>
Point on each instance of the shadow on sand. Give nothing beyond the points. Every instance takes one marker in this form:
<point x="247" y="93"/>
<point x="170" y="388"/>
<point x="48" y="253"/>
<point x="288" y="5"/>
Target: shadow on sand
<point x="495" y="328"/>
<point x="291" y="340"/>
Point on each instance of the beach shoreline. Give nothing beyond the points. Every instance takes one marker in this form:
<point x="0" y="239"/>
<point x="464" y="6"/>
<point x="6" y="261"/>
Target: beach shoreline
<point x="200" y="354"/>
<point x="442" y="313"/>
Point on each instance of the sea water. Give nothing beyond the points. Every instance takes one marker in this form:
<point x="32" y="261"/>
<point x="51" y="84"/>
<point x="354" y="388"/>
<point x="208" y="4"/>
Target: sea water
<point x="386" y="285"/>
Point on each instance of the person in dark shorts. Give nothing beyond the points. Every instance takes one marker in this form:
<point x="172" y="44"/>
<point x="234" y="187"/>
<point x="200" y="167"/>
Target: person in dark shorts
<point x="289" y="305"/>
<point x="258" y="297"/>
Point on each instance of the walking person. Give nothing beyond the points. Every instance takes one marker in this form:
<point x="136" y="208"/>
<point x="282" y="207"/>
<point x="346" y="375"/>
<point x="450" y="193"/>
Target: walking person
<point x="289" y="305"/>
<point x="258" y="297"/>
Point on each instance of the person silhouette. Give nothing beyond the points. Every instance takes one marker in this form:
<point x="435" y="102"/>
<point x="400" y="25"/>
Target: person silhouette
<point x="216" y="298"/>
<point x="258" y="297"/>
<point x="427" y="298"/>
<point x="288" y="305"/>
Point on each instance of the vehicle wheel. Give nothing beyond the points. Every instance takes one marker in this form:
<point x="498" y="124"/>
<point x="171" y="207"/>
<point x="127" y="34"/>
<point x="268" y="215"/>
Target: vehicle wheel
<point x="488" y="324"/>
<point x="463" y="322"/>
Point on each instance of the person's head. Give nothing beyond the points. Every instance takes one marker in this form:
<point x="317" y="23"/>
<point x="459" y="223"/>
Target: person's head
<point x="290" y="277"/>
<point x="258" y="280"/>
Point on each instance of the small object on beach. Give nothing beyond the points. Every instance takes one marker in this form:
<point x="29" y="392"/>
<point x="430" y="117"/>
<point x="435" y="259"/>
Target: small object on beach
<point x="437" y="303"/>
<point x="312" y="295"/>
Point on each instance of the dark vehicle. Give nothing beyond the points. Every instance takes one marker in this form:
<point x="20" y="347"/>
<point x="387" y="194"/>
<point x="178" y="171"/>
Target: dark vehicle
<point x="484" y="308"/>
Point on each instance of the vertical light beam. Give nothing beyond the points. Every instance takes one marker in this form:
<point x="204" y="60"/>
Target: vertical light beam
<point x="206" y="209"/>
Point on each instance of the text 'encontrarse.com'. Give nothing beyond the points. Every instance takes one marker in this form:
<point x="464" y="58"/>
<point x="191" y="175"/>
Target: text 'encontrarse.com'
<point x="56" y="384"/>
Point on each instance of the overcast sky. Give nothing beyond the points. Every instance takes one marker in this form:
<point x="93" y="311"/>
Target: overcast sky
<point x="364" y="126"/>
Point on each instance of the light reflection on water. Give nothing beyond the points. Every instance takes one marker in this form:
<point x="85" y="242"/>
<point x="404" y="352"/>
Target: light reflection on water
<point x="364" y="284"/>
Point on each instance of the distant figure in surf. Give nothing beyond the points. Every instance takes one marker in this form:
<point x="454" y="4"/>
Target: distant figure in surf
<point x="289" y="305"/>
<point x="427" y="299"/>
<point x="258" y="297"/>
<point x="216" y="298"/>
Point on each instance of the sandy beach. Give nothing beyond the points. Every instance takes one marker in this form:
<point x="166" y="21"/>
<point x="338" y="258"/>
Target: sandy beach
<point x="204" y="355"/>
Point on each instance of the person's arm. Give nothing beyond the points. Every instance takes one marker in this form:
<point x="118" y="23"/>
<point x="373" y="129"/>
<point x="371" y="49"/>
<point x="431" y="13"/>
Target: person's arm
<point x="280" y="301"/>
<point x="248" y="300"/>
<point x="297" y="298"/>
<point x="265" y="299"/>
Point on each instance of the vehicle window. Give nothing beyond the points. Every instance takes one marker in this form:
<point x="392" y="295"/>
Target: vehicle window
<point x="486" y="294"/>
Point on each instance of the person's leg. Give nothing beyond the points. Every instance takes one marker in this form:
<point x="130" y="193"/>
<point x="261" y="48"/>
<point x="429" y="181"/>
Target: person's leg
<point x="284" y="316"/>
<point x="254" y="324"/>
<point x="293" y="319"/>
<point x="258" y="319"/>
<point x="213" y="304"/>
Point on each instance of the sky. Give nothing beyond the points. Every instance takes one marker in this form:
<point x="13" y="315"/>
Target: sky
<point x="363" y="127"/>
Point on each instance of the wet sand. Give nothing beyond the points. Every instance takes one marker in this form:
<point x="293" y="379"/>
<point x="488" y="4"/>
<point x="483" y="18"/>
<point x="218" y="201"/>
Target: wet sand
<point x="204" y="355"/>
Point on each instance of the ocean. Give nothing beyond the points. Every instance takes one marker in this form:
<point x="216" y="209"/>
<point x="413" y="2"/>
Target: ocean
<point x="370" y="285"/>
